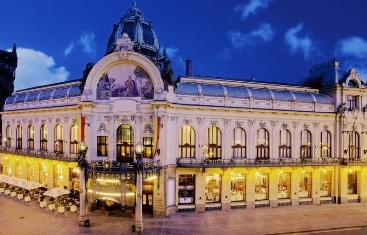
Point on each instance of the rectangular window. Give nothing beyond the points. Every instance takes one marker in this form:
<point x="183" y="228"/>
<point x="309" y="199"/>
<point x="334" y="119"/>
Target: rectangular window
<point x="261" y="186"/>
<point x="148" y="147"/>
<point x="238" y="187"/>
<point x="325" y="184"/>
<point x="102" y="145"/>
<point x="284" y="185"/>
<point x="352" y="102"/>
<point x="352" y="182"/>
<point x="212" y="188"/>
<point x="186" y="189"/>
<point x="305" y="184"/>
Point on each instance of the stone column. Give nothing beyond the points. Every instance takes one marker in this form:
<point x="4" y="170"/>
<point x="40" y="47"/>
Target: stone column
<point x="83" y="216"/>
<point x="139" y="203"/>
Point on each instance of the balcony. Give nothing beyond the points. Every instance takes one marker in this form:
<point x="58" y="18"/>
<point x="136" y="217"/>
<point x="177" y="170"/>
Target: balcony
<point x="354" y="161"/>
<point x="72" y="157"/>
<point x="243" y="162"/>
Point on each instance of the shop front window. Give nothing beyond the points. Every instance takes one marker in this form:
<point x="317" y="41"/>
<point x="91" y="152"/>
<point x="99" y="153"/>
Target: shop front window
<point x="238" y="187"/>
<point x="352" y="182"/>
<point x="43" y="174"/>
<point x="18" y="169"/>
<point x="261" y="186"/>
<point x="30" y="171"/>
<point x="284" y="185"/>
<point x="186" y="189"/>
<point x="305" y="184"/>
<point x="325" y="184"/>
<point x="213" y="188"/>
<point x="58" y="176"/>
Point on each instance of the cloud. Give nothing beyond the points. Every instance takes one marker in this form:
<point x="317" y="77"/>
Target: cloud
<point x="264" y="33"/>
<point x="298" y="43"/>
<point x="69" y="49"/>
<point x="252" y="7"/>
<point x="353" y="46"/>
<point x="35" y="68"/>
<point x="172" y="53"/>
<point x="86" y="42"/>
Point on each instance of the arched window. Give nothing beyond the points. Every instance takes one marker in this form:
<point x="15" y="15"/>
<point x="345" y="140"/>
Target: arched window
<point x="285" y="144"/>
<point x="306" y="143"/>
<point x="59" y="139"/>
<point x="19" y="137"/>
<point x="352" y="83"/>
<point x="43" y="137"/>
<point x="8" y="136"/>
<point x="263" y="142"/>
<point x="239" y="143"/>
<point x="213" y="143"/>
<point x="353" y="145"/>
<point x="30" y="137"/>
<point x="325" y="144"/>
<point x="187" y="142"/>
<point x="125" y="143"/>
<point x="74" y="139"/>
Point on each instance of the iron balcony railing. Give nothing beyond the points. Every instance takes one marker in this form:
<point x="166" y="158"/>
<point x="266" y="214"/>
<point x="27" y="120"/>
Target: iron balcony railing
<point x="72" y="157"/>
<point x="243" y="162"/>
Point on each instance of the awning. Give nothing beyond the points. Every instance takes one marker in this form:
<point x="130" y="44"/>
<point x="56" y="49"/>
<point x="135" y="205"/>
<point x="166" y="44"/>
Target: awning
<point x="56" y="192"/>
<point x="23" y="183"/>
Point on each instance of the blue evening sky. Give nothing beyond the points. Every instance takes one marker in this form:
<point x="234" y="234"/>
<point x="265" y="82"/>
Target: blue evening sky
<point x="269" y="40"/>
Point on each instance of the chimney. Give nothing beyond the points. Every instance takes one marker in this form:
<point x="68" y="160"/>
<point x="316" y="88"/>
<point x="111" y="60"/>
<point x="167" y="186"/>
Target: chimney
<point x="188" y="68"/>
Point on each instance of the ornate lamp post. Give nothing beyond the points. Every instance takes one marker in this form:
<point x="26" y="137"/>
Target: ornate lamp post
<point x="82" y="163"/>
<point x="139" y="188"/>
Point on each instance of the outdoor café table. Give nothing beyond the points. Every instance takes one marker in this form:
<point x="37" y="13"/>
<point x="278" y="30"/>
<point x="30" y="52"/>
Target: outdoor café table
<point x="7" y="191"/>
<point x="43" y="204"/>
<point x="27" y="198"/>
<point x="2" y="190"/>
<point x="61" y="209"/>
<point x="51" y="207"/>
<point x="13" y="194"/>
<point x="73" y="208"/>
<point x="20" y="196"/>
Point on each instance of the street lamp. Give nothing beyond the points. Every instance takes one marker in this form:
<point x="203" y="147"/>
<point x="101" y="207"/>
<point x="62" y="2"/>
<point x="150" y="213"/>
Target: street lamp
<point x="82" y="163"/>
<point x="139" y="188"/>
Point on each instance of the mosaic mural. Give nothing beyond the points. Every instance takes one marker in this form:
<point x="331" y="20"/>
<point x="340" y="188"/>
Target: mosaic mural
<point x="126" y="80"/>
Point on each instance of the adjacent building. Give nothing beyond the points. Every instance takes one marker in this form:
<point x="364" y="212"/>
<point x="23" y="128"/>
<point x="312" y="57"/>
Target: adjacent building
<point x="209" y="143"/>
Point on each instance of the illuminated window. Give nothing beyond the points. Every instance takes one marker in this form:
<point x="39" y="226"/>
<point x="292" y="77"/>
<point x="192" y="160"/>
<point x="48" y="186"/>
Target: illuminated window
<point x="352" y="182"/>
<point x="59" y="139"/>
<point x="187" y="142"/>
<point x="102" y="146"/>
<point x="262" y="146"/>
<point x="125" y="143"/>
<point x="19" y="136"/>
<point x="74" y="139"/>
<point x="261" y="186"/>
<point x="352" y="102"/>
<point x="186" y="189"/>
<point x="325" y="144"/>
<point x="30" y="140"/>
<point x="305" y="184"/>
<point x="214" y="143"/>
<point x="306" y="143"/>
<point x="239" y="143"/>
<point x="284" y="185"/>
<point x="212" y="188"/>
<point x="325" y="183"/>
<point x="43" y="137"/>
<point x="285" y="144"/>
<point x="8" y="137"/>
<point x="353" y="144"/>
<point x="148" y="147"/>
<point x="238" y="192"/>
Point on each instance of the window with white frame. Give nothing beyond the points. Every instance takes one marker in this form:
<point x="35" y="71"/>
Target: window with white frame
<point x="285" y="143"/>
<point x="30" y="135"/>
<point x="43" y="137"/>
<point x="74" y="138"/>
<point x="353" y="145"/>
<point x="19" y="137"/>
<point x="325" y="143"/>
<point x="213" y="143"/>
<point x="59" y="139"/>
<point x="8" y="136"/>
<point x="239" y="143"/>
<point x="187" y="141"/>
<point x="306" y="143"/>
<point x="263" y="142"/>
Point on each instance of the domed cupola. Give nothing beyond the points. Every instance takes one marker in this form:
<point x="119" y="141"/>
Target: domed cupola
<point x="140" y="32"/>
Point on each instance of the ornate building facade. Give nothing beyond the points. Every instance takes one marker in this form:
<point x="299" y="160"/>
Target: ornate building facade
<point x="209" y="143"/>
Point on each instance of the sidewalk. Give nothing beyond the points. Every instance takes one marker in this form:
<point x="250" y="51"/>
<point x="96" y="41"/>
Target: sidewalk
<point x="19" y="217"/>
